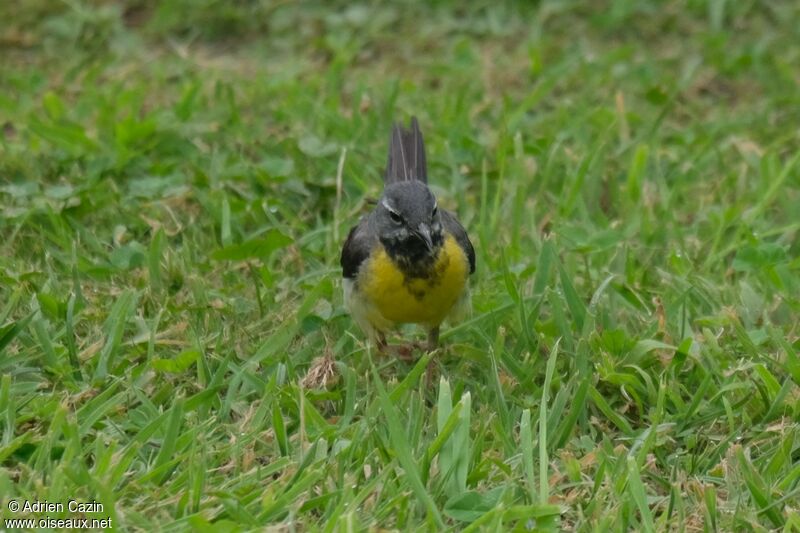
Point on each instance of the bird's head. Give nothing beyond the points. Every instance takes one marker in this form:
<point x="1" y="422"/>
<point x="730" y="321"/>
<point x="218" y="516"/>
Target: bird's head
<point x="409" y="226"/>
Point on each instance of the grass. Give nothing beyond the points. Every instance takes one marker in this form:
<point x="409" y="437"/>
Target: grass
<point x="176" y="180"/>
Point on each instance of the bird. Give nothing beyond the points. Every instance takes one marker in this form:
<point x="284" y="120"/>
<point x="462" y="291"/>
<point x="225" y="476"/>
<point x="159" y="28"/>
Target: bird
<point x="408" y="261"/>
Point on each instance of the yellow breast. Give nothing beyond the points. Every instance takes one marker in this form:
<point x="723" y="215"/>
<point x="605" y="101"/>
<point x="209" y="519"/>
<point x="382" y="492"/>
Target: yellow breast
<point x="424" y="301"/>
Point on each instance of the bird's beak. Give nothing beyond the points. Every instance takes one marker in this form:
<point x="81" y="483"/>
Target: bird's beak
<point x="424" y="234"/>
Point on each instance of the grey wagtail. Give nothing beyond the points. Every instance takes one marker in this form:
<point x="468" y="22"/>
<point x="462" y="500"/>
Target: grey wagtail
<point x="408" y="261"/>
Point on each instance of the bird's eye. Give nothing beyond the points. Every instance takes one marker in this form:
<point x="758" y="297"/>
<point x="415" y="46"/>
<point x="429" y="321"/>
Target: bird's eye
<point x="435" y="210"/>
<point x="396" y="218"/>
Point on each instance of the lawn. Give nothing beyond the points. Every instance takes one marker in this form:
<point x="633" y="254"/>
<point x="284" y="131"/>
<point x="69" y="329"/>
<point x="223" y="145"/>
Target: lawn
<point x="177" y="179"/>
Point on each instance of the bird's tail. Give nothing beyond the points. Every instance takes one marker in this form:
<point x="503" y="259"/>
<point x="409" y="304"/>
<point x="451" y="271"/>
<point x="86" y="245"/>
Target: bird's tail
<point x="406" y="155"/>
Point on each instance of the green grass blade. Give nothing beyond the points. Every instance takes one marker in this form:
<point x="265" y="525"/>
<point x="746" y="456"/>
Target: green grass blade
<point x="544" y="488"/>
<point x="526" y="446"/>
<point x="403" y="449"/>
<point x="114" y="328"/>
<point x="639" y="495"/>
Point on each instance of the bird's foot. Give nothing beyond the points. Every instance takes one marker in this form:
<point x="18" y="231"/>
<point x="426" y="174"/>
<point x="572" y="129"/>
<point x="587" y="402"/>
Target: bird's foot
<point x="405" y="352"/>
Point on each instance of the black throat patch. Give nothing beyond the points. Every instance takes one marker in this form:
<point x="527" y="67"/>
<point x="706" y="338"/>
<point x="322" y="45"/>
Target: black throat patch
<point x="427" y="267"/>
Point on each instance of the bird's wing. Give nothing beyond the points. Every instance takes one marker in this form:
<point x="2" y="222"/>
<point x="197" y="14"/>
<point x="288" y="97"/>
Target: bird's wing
<point x="454" y="227"/>
<point x="356" y="248"/>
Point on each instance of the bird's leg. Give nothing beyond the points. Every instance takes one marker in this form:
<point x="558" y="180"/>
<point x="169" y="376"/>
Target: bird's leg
<point x="432" y="344"/>
<point x="380" y="341"/>
<point x="433" y="339"/>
